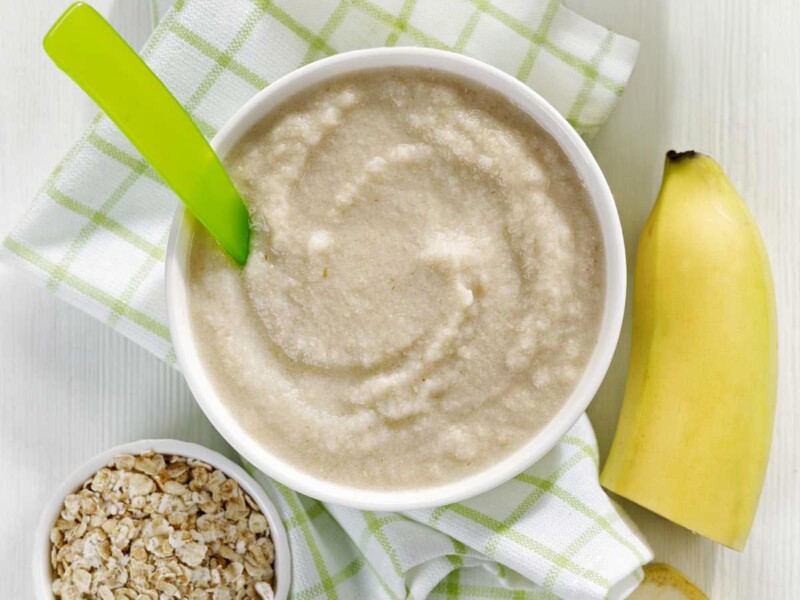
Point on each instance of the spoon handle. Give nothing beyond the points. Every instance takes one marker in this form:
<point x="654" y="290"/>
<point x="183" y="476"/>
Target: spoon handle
<point x="85" y="46"/>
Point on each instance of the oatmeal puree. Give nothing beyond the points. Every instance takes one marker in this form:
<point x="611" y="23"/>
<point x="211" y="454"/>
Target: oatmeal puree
<point x="424" y="284"/>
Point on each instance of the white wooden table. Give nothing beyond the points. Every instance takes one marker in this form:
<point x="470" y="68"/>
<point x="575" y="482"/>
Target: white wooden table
<point x="721" y="76"/>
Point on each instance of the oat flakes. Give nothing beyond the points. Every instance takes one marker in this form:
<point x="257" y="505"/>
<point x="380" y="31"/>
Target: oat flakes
<point x="155" y="527"/>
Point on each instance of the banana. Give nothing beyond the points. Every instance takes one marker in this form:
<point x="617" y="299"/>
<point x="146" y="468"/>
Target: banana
<point x="662" y="582"/>
<point x="694" y="434"/>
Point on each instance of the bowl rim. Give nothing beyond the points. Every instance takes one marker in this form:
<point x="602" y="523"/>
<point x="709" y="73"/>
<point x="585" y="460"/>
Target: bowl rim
<point x="611" y="321"/>
<point x="42" y="572"/>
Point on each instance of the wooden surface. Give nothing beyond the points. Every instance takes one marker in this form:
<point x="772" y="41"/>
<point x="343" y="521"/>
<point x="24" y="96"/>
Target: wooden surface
<point x="721" y="76"/>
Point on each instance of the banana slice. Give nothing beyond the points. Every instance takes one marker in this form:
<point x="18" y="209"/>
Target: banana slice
<point x="662" y="582"/>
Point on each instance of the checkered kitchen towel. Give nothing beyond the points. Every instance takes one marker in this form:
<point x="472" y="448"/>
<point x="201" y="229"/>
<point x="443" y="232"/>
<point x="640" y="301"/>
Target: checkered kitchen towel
<point x="96" y="236"/>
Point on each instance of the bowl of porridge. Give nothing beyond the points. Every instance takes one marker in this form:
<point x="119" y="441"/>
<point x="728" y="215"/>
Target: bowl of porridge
<point x="435" y="285"/>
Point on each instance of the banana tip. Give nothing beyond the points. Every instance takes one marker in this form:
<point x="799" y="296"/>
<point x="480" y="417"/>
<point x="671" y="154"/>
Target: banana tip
<point x="675" y="156"/>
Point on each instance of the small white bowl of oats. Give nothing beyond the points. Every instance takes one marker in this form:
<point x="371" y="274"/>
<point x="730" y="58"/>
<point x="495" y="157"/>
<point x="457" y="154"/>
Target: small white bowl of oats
<point x="161" y="519"/>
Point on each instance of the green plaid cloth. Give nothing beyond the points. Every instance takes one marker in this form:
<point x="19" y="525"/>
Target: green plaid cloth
<point x="96" y="236"/>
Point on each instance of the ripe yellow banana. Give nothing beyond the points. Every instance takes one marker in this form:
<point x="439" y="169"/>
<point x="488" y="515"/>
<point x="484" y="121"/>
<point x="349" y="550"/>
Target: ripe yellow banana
<point x="694" y="434"/>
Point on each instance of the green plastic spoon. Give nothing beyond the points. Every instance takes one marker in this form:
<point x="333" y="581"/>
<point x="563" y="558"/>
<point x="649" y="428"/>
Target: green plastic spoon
<point x="85" y="46"/>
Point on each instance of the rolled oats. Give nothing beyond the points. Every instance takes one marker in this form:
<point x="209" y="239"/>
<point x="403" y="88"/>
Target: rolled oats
<point x="154" y="527"/>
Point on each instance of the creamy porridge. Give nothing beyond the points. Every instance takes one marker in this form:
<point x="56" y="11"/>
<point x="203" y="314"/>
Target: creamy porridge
<point x="424" y="285"/>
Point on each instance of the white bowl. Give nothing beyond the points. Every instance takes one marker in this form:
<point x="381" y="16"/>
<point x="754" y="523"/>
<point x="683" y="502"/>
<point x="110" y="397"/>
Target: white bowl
<point x="42" y="572"/>
<point x="292" y="476"/>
